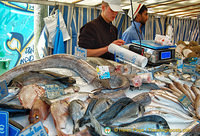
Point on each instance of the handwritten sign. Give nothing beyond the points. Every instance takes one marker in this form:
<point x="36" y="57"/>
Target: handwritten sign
<point x="53" y="91"/>
<point x="4" y="123"/>
<point x="35" y="130"/>
<point x="3" y="89"/>
<point x="80" y="53"/>
<point x="103" y="72"/>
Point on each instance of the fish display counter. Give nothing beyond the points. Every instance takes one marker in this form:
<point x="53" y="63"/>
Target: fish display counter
<point x="63" y="95"/>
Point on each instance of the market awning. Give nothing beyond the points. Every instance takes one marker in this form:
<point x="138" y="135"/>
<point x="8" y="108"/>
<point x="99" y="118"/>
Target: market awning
<point x="178" y="8"/>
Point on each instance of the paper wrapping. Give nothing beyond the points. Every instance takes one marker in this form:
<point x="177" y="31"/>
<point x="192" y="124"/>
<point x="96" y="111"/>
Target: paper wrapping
<point x="128" y="55"/>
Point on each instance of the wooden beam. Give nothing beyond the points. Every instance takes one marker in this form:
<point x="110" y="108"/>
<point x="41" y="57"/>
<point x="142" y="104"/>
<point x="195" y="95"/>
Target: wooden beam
<point x="182" y="10"/>
<point x="197" y="4"/>
<point x="189" y="13"/>
<point x="164" y="3"/>
<point x="77" y="1"/>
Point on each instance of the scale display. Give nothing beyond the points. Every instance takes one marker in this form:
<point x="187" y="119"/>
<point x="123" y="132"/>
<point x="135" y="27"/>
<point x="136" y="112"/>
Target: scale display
<point x="165" y="55"/>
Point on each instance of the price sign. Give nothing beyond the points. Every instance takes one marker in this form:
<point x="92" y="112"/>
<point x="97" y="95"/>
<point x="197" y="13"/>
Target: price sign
<point x="4" y="116"/>
<point x="13" y="131"/>
<point x="35" y="130"/>
<point x="3" y="89"/>
<point x="103" y="72"/>
<point x="53" y="91"/>
<point x="81" y="53"/>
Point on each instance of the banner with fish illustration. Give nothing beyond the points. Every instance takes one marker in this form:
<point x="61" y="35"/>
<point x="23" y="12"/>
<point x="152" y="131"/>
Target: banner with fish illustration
<point x="16" y="32"/>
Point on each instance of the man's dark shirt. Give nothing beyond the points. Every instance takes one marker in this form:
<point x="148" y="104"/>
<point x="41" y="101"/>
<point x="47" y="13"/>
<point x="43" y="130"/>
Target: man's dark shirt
<point x="97" y="34"/>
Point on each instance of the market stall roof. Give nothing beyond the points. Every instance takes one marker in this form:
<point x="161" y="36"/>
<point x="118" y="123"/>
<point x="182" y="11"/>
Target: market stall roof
<point x="178" y="8"/>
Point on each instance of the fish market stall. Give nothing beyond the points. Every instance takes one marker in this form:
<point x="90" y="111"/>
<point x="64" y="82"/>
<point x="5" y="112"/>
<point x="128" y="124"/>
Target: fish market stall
<point x="68" y="97"/>
<point x="42" y="92"/>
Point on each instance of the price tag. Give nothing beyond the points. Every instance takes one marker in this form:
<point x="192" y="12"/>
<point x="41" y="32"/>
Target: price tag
<point x="185" y="101"/>
<point x="3" y="89"/>
<point x="13" y="131"/>
<point x="35" y="130"/>
<point x="103" y="72"/>
<point x="4" y="123"/>
<point x="53" y="91"/>
<point x="80" y="53"/>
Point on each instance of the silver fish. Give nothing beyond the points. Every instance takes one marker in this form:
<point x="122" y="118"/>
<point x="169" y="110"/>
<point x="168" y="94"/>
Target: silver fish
<point x="70" y="97"/>
<point x="162" y="76"/>
<point x="126" y="115"/>
<point x="53" y="61"/>
<point x="12" y="94"/>
<point x="149" y="124"/>
<point x="76" y="110"/>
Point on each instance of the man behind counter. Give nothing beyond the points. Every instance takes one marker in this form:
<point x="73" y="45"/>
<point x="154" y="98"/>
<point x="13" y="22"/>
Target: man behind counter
<point x="140" y="17"/>
<point x="96" y="35"/>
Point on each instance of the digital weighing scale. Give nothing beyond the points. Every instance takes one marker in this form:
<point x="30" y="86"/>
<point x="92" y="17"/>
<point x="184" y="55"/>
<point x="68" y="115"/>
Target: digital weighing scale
<point x="157" y="53"/>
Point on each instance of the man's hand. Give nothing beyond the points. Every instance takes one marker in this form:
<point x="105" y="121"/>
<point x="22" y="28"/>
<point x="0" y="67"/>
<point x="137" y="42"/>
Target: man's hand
<point x="119" y="42"/>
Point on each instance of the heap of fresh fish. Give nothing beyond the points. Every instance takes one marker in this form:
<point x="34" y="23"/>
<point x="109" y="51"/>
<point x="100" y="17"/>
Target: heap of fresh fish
<point x="108" y="104"/>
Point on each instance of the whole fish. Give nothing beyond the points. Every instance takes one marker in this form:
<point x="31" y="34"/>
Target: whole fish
<point x="113" y="95"/>
<point x="197" y="106"/>
<point x="162" y="76"/>
<point x="150" y="124"/>
<point x="76" y="110"/>
<point x="34" y="77"/>
<point x="83" y="96"/>
<point x="129" y="113"/>
<point x="191" y="130"/>
<point x="12" y="94"/>
<point x="90" y="107"/>
<point x="14" y="110"/>
<point x="142" y="99"/>
<point x="53" y="61"/>
<point x="59" y="111"/>
<point x="95" y="107"/>
<point x="114" y="109"/>
<point x="39" y="111"/>
<point x="29" y="94"/>
<point x="115" y="82"/>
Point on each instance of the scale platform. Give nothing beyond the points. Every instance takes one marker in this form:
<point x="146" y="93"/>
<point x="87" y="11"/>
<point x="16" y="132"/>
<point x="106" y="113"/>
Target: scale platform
<point x="156" y="53"/>
<point x="151" y="44"/>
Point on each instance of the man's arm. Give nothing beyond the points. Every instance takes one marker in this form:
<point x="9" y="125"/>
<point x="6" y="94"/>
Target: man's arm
<point x="103" y="50"/>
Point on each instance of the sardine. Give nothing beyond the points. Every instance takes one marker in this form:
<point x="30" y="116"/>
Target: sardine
<point x="190" y="129"/>
<point x="197" y="106"/>
<point x="192" y="94"/>
<point x="162" y="76"/>
<point x="195" y="90"/>
<point x="181" y="88"/>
